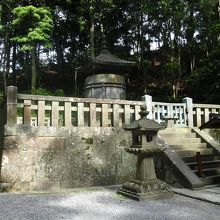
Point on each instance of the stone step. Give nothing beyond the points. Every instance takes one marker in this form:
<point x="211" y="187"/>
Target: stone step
<point x="205" y="164"/>
<point x="186" y="145"/>
<point x="191" y="146"/>
<point x="173" y="135"/>
<point x="207" y="158"/>
<point x="208" y="180"/>
<point x="190" y="153"/>
<point x="209" y="171"/>
<point x="176" y="140"/>
<point x="175" y="130"/>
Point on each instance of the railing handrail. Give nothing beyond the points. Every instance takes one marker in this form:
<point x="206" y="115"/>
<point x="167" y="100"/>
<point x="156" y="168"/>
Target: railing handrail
<point x="162" y="110"/>
<point x="197" y="105"/>
<point x="168" y="103"/>
<point x="73" y="111"/>
<point x="75" y="99"/>
<point x="201" y="113"/>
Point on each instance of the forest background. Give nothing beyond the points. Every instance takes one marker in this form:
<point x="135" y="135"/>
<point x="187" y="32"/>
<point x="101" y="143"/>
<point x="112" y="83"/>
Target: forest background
<point x="174" y="43"/>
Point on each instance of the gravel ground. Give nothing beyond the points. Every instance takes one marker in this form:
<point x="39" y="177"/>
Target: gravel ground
<point x="101" y="204"/>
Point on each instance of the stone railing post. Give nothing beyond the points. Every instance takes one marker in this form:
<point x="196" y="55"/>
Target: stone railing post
<point x="189" y="111"/>
<point x="148" y="102"/>
<point x="27" y="112"/>
<point x="11" y="105"/>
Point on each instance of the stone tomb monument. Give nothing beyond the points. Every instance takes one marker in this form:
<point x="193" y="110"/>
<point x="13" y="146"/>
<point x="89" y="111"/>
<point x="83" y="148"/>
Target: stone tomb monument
<point x="105" y="76"/>
<point x="144" y="146"/>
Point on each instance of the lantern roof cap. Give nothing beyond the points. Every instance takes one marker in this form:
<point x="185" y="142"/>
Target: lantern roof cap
<point x="214" y="122"/>
<point x="144" y="124"/>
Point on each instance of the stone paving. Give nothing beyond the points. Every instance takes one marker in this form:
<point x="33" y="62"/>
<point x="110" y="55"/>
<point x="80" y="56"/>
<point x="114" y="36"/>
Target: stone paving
<point x="209" y="194"/>
<point x="100" y="204"/>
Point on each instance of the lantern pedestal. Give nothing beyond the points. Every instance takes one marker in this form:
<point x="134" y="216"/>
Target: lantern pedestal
<point x="146" y="183"/>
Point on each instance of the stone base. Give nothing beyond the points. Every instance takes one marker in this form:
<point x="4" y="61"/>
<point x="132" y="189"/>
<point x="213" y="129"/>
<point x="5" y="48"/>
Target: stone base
<point x="138" y="190"/>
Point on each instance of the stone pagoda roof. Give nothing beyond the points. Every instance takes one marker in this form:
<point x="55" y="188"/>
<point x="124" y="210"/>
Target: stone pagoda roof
<point x="106" y="62"/>
<point x="105" y="57"/>
<point x="144" y="124"/>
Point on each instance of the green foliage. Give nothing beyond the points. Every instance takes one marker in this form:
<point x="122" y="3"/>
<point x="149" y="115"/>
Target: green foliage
<point x="42" y="91"/>
<point x="172" y="70"/>
<point x="185" y="33"/>
<point x="172" y="67"/>
<point x="32" y="26"/>
<point x="46" y="92"/>
<point x="1" y="96"/>
<point x="204" y="84"/>
<point x="58" y="92"/>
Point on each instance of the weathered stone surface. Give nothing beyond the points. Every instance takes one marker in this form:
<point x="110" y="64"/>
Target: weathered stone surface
<point x="68" y="157"/>
<point x="27" y="173"/>
<point x="22" y="186"/>
<point x="14" y="142"/>
<point x="126" y="167"/>
<point x="43" y="143"/>
<point x="45" y="185"/>
<point x="139" y="190"/>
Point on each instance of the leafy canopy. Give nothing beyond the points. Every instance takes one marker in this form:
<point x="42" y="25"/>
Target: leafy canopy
<point x="32" y="26"/>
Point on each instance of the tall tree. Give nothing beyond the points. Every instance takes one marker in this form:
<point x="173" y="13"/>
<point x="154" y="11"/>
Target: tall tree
<point x="32" y="27"/>
<point x="5" y="24"/>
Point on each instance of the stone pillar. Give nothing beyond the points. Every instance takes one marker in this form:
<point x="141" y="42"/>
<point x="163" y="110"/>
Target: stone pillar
<point x="189" y="109"/>
<point x="145" y="169"/>
<point x="11" y="105"/>
<point x="148" y="102"/>
<point x="27" y="112"/>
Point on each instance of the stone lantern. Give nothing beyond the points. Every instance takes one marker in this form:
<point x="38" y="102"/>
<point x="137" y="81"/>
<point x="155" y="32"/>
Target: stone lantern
<point x="144" y="146"/>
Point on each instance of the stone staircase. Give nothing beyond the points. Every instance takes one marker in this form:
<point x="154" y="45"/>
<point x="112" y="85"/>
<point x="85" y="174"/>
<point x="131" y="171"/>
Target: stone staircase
<point x="205" y="164"/>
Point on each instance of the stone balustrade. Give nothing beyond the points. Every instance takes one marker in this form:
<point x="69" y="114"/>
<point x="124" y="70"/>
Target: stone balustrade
<point x="201" y="113"/>
<point x="54" y="111"/>
<point x="80" y="112"/>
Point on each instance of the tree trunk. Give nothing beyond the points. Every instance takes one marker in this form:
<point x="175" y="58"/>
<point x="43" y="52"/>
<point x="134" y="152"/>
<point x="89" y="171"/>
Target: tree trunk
<point x="192" y="61"/>
<point x="189" y="36"/>
<point x="34" y="71"/>
<point x="59" y="51"/>
<point x="141" y="40"/>
<point x="219" y="16"/>
<point x="91" y="35"/>
<point x="127" y="48"/>
<point x="14" y="65"/>
<point x="4" y="74"/>
<point x="8" y="51"/>
<point x="5" y="63"/>
<point x="75" y="82"/>
<point x="219" y="9"/>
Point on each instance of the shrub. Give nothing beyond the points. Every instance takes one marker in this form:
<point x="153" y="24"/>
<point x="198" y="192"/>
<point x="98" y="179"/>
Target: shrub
<point x="46" y="92"/>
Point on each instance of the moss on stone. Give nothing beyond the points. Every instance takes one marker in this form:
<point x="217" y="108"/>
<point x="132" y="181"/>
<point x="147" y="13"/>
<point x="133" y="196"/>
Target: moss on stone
<point x="87" y="140"/>
<point x="215" y="133"/>
<point x="123" y="142"/>
<point x="47" y="160"/>
<point x="6" y="187"/>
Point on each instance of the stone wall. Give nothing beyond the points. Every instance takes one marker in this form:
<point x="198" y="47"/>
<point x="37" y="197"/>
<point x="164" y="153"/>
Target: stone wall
<point x="50" y="158"/>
